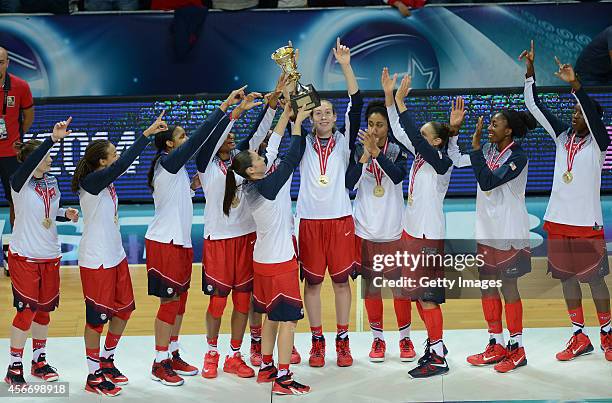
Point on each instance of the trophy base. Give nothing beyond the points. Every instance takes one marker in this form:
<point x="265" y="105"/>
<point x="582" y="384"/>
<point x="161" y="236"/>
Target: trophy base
<point x="307" y="97"/>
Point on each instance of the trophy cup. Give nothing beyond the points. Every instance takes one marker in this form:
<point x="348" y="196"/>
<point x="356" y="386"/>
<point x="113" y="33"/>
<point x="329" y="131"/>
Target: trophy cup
<point x="305" y="95"/>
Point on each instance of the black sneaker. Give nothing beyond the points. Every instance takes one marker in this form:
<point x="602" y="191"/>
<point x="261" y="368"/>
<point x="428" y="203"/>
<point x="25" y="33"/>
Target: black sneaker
<point x="108" y="369"/>
<point x="44" y="371"/>
<point x="285" y="385"/>
<point x="97" y="383"/>
<point x="426" y="353"/>
<point x="14" y="375"/>
<point x="430" y="364"/>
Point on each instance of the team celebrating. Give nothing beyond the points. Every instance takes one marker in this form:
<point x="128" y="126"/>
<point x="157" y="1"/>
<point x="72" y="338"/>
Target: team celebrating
<point x="250" y="245"/>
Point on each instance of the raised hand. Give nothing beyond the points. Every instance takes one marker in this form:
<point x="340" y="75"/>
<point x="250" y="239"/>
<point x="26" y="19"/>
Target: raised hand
<point x="387" y="82"/>
<point x="72" y="214"/>
<point x="195" y="182"/>
<point x="158" y="126"/>
<point x="565" y="72"/>
<point x="60" y="130"/>
<point x="342" y="53"/>
<point x="248" y="102"/>
<point x="402" y="92"/>
<point x="529" y="57"/>
<point x="457" y="114"/>
<point x="233" y="98"/>
<point x="302" y="115"/>
<point x="361" y="137"/>
<point x="477" y="134"/>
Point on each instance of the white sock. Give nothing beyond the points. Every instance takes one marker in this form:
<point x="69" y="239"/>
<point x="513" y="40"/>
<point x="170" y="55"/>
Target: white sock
<point x="282" y="372"/>
<point x="15" y="358"/>
<point x="36" y="353"/>
<point x="107" y="353"/>
<point x="161" y="355"/>
<point x="92" y="365"/>
<point x="517" y="338"/>
<point x="438" y="348"/>
<point x="174" y="346"/>
<point x="377" y="333"/>
<point x="405" y="332"/>
<point x="577" y="327"/>
<point x="606" y="328"/>
<point x="499" y="338"/>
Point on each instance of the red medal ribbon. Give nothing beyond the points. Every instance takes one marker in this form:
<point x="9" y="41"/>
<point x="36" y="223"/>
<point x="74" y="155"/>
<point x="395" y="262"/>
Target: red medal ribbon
<point x="416" y="165"/>
<point x="376" y="169"/>
<point x="572" y="150"/>
<point x="323" y="154"/>
<point x="493" y="165"/>
<point x="46" y="194"/>
<point x="113" y="193"/>
<point x="222" y="166"/>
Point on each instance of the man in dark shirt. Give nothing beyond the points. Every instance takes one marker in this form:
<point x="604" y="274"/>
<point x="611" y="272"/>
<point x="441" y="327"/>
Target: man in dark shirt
<point x="594" y="65"/>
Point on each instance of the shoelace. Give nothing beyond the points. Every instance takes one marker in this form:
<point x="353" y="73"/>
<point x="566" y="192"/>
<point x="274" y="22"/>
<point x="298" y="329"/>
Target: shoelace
<point x="112" y="370"/>
<point x="343" y="348"/>
<point x="426" y="354"/>
<point x="378" y="345"/>
<point x="167" y="366"/>
<point x="571" y="343"/>
<point x="47" y="369"/>
<point x="106" y="385"/>
<point x="405" y="344"/>
<point x="317" y="349"/>
<point x="178" y="359"/>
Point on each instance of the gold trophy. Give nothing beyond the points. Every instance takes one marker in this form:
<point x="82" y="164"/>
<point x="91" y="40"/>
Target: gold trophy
<point x="305" y="95"/>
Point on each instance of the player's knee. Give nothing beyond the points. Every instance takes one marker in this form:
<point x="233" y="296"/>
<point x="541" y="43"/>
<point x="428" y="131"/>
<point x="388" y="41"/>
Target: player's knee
<point x="123" y="315"/>
<point x="241" y="301"/>
<point x="167" y="312"/>
<point x="217" y="305"/>
<point x="95" y="327"/>
<point x="23" y="319"/>
<point x="42" y="318"/>
<point x="182" y="303"/>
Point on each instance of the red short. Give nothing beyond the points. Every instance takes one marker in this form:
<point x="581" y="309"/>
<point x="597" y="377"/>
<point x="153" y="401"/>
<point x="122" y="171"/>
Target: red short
<point x="576" y="251"/>
<point x="227" y="264"/>
<point x="366" y="252"/>
<point x="168" y="268"/>
<point x="511" y="263"/>
<point x="36" y="283"/>
<point x="426" y="264"/>
<point x="276" y="291"/>
<point x="327" y="244"/>
<point x="107" y="292"/>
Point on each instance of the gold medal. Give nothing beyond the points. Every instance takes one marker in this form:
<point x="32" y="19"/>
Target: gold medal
<point x="379" y="191"/>
<point x="323" y="180"/>
<point x="46" y="223"/>
<point x="235" y="201"/>
<point x="568" y="177"/>
<point x="410" y="199"/>
<point x="116" y="219"/>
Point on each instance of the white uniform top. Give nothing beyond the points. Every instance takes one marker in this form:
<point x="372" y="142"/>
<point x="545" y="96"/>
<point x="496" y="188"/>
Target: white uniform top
<point x="379" y="219"/>
<point x="240" y="221"/>
<point x="425" y="217"/>
<point x="578" y="202"/>
<point x="285" y="192"/>
<point x="30" y="238"/>
<point x="173" y="207"/>
<point x="317" y="202"/>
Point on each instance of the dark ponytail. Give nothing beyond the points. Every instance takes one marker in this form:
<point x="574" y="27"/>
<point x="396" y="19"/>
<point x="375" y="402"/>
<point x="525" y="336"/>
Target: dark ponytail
<point x="239" y="165"/>
<point x="520" y="122"/>
<point x="442" y="131"/>
<point x="25" y="149"/>
<point x="160" y="144"/>
<point x="95" y="151"/>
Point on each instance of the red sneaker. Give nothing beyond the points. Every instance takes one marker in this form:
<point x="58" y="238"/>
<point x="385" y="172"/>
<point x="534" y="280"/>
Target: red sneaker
<point x="295" y="356"/>
<point x="407" y="352"/>
<point x="606" y="344"/>
<point x="285" y="385"/>
<point x="344" y="352"/>
<point x="164" y="373"/>
<point x="211" y="362"/>
<point x="377" y="352"/>
<point x="493" y="354"/>
<point x="97" y="383"/>
<point x="14" y="375"/>
<point x="236" y="365"/>
<point x="43" y="370"/>
<point x="515" y="357"/>
<point x="255" y="353"/>
<point x="267" y="374"/>
<point x="111" y="373"/>
<point x="578" y="345"/>
<point x="317" y="353"/>
<point x="181" y="367"/>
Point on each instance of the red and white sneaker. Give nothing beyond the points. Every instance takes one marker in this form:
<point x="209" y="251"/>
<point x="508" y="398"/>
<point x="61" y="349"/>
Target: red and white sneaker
<point x="14" y="375"/>
<point x="163" y="372"/>
<point x="236" y="365"/>
<point x="285" y="385"/>
<point x="377" y="352"/>
<point x="211" y="362"/>
<point x="267" y="374"/>
<point x="295" y="356"/>
<point x="43" y="370"/>
<point x="111" y="373"/>
<point x="407" y="352"/>
<point x="255" y="357"/>
<point x="344" y="352"/>
<point x="317" y="352"/>
<point x="515" y="357"/>
<point x="97" y="383"/>
<point x="578" y="345"/>
<point x="606" y="344"/>
<point x="181" y="367"/>
<point x="493" y="354"/>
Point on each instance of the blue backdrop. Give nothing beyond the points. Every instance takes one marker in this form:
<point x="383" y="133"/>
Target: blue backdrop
<point x="442" y="47"/>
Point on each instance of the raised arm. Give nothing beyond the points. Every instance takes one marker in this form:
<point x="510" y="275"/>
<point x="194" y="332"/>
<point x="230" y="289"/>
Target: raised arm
<point x="277" y="135"/>
<point x="27" y="168"/>
<point x="352" y="119"/>
<point x="457" y="116"/>
<point x="545" y="118"/>
<point x="210" y="148"/>
<point x="432" y="155"/>
<point x="396" y="132"/>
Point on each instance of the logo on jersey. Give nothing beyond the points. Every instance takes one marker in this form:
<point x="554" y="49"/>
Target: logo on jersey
<point x="513" y="166"/>
<point x="302" y="311"/>
<point x="20" y="304"/>
<point x="209" y="288"/>
<point x="103" y="316"/>
<point x="10" y="101"/>
<point x="169" y="290"/>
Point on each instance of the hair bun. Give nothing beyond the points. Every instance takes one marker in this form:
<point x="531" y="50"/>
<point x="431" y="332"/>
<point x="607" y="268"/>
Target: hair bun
<point x="528" y="120"/>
